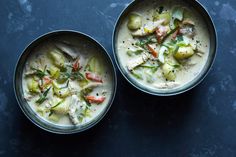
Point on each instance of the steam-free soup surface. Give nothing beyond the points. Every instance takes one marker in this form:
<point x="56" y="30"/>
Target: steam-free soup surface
<point x="67" y="82"/>
<point x="162" y="45"/>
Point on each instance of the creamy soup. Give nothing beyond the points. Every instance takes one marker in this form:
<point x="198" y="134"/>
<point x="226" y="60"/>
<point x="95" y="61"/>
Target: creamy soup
<point x="162" y="45"/>
<point x="67" y="83"/>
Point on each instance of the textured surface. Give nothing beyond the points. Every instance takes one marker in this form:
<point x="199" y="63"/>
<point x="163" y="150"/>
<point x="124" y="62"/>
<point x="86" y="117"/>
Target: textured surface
<point x="199" y="123"/>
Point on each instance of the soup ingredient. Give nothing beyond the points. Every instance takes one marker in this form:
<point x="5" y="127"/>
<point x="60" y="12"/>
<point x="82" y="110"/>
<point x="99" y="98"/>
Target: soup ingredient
<point x="135" y="21"/>
<point x="148" y="28"/>
<point x="95" y="99"/>
<point x="67" y="49"/>
<point x="138" y="61"/>
<point x="152" y="50"/>
<point x="161" y="33"/>
<point x="169" y="72"/>
<point x="57" y="58"/>
<point x="184" y="53"/>
<point x="43" y="96"/>
<point x="33" y="86"/>
<point x="93" y="77"/>
<point x="177" y="16"/>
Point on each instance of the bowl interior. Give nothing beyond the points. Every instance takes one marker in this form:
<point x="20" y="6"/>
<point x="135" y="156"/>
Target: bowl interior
<point x="213" y="44"/>
<point x="84" y="41"/>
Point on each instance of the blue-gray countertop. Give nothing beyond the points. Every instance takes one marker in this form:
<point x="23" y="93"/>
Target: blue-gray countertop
<point x="199" y="123"/>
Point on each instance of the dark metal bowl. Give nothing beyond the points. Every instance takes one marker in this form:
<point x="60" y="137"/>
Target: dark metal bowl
<point x="212" y="53"/>
<point x="27" y="110"/>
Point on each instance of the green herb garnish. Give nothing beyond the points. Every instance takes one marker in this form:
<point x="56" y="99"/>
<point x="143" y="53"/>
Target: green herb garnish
<point x="43" y="96"/>
<point x="148" y="40"/>
<point x="59" y="103"/>
<point x="131" y="53"/>
<point x="39" y="72"/>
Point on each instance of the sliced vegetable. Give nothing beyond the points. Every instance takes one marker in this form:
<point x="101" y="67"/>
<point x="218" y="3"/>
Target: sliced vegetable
<point x="76" y="65"/>
<point x="60" y="92"/>
<point x="33" y="86"/>
<point x="184" y="53"/>
<point x="62" y="108"/>
<point x="134" y="52"/>
<point x="135" y="21"/>
<point x="148" y="28"/>
<point x="177" y="15"/>
<point x="166" y="16"/>
<point x="93" y="77"/>
<point x="152" y="50"/>
<point x="95" y="99"/>
<point x="152" y="68"/>
<point x="43" y="96"/>
<point x="41" y="110"/>
<point x="94" y="65"/>
<point x="57" y="58"/>
<point x="54" y="72"/>
<point x="169" y="72"/>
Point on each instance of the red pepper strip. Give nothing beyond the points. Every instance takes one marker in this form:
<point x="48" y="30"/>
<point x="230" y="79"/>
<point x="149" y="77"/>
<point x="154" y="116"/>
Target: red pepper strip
<point x="153" y="52"/>
<point x="76" y="65"/>
<point x="47" y="80"/>
<point x="161" y="32"/>
<point x="95" y="99"/>
<point x="44" y="82"/>
<point x="93" y="77"/>
<point x="175" y="34"/>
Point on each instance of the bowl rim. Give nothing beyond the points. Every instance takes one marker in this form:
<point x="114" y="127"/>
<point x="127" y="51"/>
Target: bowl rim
<point x="215" y="47"/>
<point x="106" y="109"/>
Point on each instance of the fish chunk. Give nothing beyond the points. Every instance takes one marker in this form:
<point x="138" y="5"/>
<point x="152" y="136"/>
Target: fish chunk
<point x="167" y="85"/>
<point x="73" y="108"/>
<point x="148" y="28"/>
<point x="67" y="49"/>
<point x="138" y="61"/>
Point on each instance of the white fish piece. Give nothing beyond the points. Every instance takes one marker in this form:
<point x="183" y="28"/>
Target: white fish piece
<point x="161" y="57"/>
<point x="73" y="108"/>
<point x="67" y="49"/>
<point x="166" y="85"/>
<point x="76" y="108"/>
<point x="148" y="28"/>
<point x="138" y="61"/>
